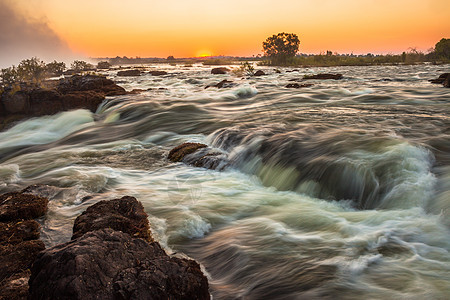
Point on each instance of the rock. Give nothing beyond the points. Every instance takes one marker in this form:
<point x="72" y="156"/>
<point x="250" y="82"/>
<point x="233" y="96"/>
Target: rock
<point x="259" y="73"/>
<point x="129" y="73"/>
<point x="323" y="76"/>
<point x="99" y="84"/>
<point x="18" y="206"/>
<point x="15" y="102"/>
<point x="82" y="99"/>
<point x="221" y="70"/>
<point x="297" y="86"/>
<point x="277" y="71"/>
<point x="199" y="155"/>
<point x="222" y="84"/>
<point x="108" y="264"/>
<point x="157" y="73"/>
<point x="442" y="79"/>
<point x="178" y="153"/>
<point x="125" y="214"/>
<point x="18" y="231"/>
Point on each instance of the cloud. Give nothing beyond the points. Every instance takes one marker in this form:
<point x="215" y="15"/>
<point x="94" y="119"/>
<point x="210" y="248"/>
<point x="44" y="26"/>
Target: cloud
<point x="22" y="37"/>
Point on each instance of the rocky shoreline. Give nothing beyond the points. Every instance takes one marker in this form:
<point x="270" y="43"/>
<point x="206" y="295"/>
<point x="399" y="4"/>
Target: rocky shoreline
<point x="78" y="91"/>
<point x="112" y="255"/>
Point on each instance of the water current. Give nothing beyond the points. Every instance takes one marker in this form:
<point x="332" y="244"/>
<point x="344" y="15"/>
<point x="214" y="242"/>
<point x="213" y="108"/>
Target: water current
<point x="340" y="190"/>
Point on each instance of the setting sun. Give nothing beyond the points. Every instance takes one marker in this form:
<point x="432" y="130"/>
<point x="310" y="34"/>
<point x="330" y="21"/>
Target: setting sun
<point x="204" y="53"/>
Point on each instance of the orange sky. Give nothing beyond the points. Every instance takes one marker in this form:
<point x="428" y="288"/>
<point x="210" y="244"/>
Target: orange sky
<point x="186" y="28"/>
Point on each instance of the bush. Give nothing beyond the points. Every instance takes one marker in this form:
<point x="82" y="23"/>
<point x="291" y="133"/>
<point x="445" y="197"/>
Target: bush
<point x="31" y="70"/>
<point x="55" y="68"/>
<point x="80" y="65"/>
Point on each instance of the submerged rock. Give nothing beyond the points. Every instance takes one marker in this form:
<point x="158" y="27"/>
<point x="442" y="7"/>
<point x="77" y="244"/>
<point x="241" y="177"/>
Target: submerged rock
<point x="443" y="79"/>
<point x="198" y="155"/>
<point x="158" y="73"/>
<point x="108" y="264"/>
<point x="323" y="76"/>
<point x="125" y="214"/>
<point x="297" y="86"/>
<point x="259" y="73"/>
<point x="178" y="153"/>
<point x="129" y="73"/>
<point x="221" y="70"/>
<point x="223" y="84"/>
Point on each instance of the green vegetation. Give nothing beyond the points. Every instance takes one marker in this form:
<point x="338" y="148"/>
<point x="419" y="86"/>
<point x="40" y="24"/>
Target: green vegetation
<point x="218" y="62"/>
<point x="281" y="48"/>
<point x="442" y="49"/>
<point x="245" y="68"/>
<point x="55" y="68"/>
<point x="80" y="65"/>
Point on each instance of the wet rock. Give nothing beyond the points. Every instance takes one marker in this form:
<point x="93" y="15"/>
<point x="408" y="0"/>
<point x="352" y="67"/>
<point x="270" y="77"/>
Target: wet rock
<point x="277" y="71"/>
<point x="443" y="79"/>
<point x="324" y="76"/>
<point x="129" y="73"/>
<point x="18" y="206"/>
<point x="82" y="99"/>
<point x="259" y="73"/>
<point x="221" y="70"/>
<point x="158" y="73"/>
<point x="125" y="214"/>
<point x="297" y="86"/>
<point x="178" y="153"/>
<point x="108" y="264"/>
<point x="223" y="84"/>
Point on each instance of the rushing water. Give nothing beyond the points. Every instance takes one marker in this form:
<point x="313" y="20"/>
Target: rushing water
<point x="339" y="190"/>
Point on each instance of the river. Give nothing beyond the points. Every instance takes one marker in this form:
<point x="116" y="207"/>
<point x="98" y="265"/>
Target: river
<point x="340" y="190"/>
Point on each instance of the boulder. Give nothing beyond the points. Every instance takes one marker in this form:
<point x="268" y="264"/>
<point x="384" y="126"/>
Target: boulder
<point x="96" y="83"/>
<point x="324" y="76"/>
<point x="129" y="73"/>
<point x="297" y="86"/>
<point x="443" y="79"/>
<point x="222" y="84"/>
<point x="82" y="99"/>
<point x="157" y="73"/>
<point x="199" y="155"/>
<point x="15" y="102"/>
<point x="125" y="214"/>
<point x="19" y="244"/>
<point x="18" y="206"/>
<point x="259" y="73"/>
<point x="221" y="70"/>
<point x="178" y="153"/>
<point x="108" y="264"/>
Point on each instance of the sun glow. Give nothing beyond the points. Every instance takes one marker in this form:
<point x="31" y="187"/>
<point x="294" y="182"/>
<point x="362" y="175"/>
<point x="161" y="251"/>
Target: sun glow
<point x="204" y="53"/>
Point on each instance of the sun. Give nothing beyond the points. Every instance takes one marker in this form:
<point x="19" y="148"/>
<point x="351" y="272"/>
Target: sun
<point x="204" y="53"/>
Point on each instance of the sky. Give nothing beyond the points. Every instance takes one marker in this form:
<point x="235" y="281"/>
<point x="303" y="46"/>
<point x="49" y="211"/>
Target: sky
<point x="188" y="28"/>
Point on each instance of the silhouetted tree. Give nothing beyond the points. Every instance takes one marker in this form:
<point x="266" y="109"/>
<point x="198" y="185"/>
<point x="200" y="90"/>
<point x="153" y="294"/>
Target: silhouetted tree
<point x="280" y="47"/>
<point x="170" y="57"/>
<point x="442" y="49"/>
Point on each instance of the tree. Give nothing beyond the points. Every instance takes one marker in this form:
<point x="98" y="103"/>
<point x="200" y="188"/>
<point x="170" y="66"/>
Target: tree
<point x="442" y="49"/>
<point x="31" y="70"/>
<point x="80" y="65"/>
<point x="280" y="47"/>
<point x="55" y="68"/>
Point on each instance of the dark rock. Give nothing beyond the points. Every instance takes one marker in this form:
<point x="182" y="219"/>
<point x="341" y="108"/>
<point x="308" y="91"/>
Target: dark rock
<point x="96" y="83"/>
<point x="259" y="73"/>
<point x="15" y="262"/>
<point x="82" y="99"/>
<point x="297" y="86"/>
<point x="277" y="71"/>
<point x="443" y="79"/>
<point x="18" y="206"/>
<point x="15" y="102"/>
<point x="136" y="91"/>
<point x="125" y="214"/>
<point x="18" y="231"/>
<point x="129" y="73"/>
<point x="178" y="153"/>
<point x="108" y="264"/>
<point x="221" y="70"/>
<point x="323" y="76"/>
<point x="222" y="84"/>
<point x="157" y="73"/>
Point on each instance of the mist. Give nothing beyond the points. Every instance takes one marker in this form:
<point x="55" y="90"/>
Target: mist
<point x="22" y="37"/>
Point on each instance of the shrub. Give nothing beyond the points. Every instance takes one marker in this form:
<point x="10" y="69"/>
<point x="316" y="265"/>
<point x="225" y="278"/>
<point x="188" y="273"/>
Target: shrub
<point x="55" y="68"/>
<point x="80" y="65"/>
<point x="103" y="65"/>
